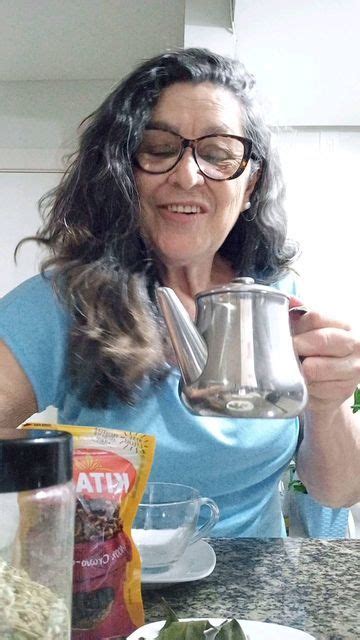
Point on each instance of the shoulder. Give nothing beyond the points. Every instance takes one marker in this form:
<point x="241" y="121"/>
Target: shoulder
<point x="32" y="311"/>
<point x="34" y="295"/>
<point x="37" y="287"/>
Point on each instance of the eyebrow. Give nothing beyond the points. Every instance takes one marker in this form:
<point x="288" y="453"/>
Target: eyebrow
<point x="165" y="126"/>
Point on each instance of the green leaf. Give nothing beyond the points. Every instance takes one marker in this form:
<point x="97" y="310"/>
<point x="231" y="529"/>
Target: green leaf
<point x="169" y="613"/>
<point x="190" y="630"/>
<point x="230" y="630"/>
<point x="210" y="633"/>
<point x="297" y="485"/>
<point x="175" y="629"/>
<point x="356" y="406"/>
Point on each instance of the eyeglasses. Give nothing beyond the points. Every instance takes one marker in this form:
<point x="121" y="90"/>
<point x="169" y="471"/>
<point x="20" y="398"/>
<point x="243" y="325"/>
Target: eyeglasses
<point x="218" y="157"/>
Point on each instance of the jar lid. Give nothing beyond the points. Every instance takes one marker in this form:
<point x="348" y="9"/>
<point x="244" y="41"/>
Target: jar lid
<point x="34" y="459"/>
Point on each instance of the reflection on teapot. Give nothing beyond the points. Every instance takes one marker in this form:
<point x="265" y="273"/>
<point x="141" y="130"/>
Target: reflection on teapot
<point x="238" y="361"/>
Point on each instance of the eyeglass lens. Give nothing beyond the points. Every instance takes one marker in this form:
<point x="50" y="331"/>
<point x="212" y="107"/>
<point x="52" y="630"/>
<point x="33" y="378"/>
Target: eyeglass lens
<point x="218" y="157"/>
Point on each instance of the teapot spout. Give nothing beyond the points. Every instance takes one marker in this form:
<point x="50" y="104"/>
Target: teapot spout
<point x="189" y="346"/>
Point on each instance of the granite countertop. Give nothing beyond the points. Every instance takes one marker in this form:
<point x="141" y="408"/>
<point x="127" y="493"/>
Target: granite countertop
<point x="313" y="585"/>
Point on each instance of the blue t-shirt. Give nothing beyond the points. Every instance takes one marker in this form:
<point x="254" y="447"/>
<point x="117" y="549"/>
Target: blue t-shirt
<point x="237" y="462"/>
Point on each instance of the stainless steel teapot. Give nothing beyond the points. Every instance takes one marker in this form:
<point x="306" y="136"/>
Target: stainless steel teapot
<point x="239" y="360"/>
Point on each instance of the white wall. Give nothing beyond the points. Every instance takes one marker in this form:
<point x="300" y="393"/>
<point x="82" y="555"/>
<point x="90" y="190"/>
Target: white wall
<point x="321" y="167"/>
<point x="305" y="57"/>
<point x="210" y="28"/>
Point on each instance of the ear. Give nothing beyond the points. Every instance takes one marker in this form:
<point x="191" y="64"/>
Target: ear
<point x="251" y="184"/>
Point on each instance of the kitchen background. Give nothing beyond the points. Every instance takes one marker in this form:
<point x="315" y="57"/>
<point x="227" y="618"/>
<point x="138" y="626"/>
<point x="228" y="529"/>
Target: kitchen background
<point x="59" y="58"/>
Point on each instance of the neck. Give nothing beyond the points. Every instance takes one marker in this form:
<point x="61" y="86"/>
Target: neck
<point x="188" y="280"/>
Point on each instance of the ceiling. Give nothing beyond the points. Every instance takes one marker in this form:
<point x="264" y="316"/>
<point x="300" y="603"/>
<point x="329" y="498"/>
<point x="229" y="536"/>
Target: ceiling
<point x="84" y="39"/>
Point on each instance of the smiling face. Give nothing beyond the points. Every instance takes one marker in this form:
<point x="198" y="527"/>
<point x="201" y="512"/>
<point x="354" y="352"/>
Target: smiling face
<point x="186" y="216"/>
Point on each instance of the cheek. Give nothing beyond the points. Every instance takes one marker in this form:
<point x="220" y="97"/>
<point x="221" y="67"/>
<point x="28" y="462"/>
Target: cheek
<point x="232" y="200"/>
<point x="141" y="186"/>
<point x="147" y="186"/>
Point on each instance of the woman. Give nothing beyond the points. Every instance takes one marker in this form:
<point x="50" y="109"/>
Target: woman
<point x="175" y="182"/>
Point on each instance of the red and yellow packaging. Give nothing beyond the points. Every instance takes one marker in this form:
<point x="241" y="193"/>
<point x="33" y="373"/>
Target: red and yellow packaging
<point x="111" y="469"/>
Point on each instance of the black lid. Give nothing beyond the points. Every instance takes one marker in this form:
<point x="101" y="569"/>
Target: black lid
<point x="34" y="459"/>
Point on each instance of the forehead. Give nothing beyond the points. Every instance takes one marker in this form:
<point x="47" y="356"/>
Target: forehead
<point x="193" y="110"/>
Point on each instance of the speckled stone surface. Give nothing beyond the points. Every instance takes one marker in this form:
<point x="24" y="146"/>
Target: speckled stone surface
<point x="313" y="585"/>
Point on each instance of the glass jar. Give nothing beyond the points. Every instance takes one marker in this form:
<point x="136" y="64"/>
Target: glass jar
<point x="37" y="505"/>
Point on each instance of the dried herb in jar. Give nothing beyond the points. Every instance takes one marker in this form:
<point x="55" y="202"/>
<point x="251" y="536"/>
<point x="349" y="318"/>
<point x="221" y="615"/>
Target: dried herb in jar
<point x="29" y="610"/>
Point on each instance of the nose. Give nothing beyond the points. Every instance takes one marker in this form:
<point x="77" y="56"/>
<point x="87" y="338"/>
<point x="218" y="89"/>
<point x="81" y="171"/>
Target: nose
<point x="186" y="173"/>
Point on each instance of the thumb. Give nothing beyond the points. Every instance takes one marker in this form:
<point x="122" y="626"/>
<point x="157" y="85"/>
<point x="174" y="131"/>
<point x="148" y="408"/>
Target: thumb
<point x="296" y="310"/>
<point x="296" y="302"/>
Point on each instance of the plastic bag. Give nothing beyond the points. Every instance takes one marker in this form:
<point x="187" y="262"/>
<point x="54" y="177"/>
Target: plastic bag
<point x="111" y="469"/>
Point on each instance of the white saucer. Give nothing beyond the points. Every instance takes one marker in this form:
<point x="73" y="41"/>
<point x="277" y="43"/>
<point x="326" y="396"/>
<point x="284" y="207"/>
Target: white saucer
<point x="254" y="630"/>
<point x="196" y="563"/>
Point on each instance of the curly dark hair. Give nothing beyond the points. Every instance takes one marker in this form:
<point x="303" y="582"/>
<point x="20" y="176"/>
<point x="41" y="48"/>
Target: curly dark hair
<point x="98" y="262"/>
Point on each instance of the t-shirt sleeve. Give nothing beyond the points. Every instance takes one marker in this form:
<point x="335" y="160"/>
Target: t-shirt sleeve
<point x="290" y="284"/>
<point x="34" y="326"/>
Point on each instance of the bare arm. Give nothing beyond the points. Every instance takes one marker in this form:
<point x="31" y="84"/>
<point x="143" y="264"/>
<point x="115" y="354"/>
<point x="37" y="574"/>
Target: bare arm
<point x="329" y="456"/>
<point x="17" y="398"/>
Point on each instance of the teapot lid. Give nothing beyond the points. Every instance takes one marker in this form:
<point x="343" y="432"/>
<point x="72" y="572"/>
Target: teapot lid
<point x="243" y="285"/>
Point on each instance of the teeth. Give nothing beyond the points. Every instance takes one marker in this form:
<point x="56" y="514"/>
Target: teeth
<point x="179" y="208"/>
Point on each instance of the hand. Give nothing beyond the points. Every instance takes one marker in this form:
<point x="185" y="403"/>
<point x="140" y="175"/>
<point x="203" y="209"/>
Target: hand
<point x="330" y="355"/>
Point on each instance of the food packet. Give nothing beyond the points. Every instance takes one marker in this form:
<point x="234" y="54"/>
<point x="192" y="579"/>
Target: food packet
<point x="111" y="469"/>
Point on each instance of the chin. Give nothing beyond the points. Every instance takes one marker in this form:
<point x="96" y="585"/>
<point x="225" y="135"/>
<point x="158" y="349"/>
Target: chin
<point x="177" y="253"/>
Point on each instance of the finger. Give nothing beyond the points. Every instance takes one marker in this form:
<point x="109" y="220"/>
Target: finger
<point x="327" y="369"/>
<point x="310" y="320"/>
<point x="295" y="302"/>
<point x="324" y="342"/>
